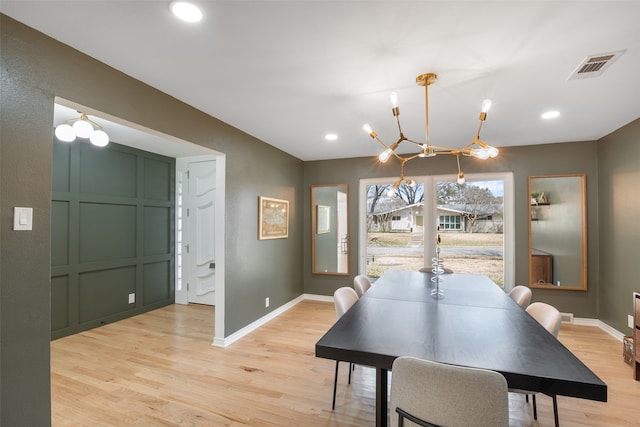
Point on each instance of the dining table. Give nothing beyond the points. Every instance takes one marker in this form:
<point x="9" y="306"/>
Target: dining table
<point x="472" y="322"/>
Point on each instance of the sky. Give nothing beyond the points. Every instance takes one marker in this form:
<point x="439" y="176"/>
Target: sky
<point x="496" y="187"/>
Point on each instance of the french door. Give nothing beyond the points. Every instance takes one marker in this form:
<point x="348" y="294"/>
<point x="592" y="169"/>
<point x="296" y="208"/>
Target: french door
<point x="474" y="221"/>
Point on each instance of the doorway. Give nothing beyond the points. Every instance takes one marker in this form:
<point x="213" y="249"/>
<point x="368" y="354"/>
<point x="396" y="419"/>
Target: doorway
<point x="197" y="275"/>
<point x="136" y="136"/>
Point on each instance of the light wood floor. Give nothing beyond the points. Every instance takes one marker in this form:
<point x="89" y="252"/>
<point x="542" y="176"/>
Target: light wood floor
<point x="159" y="369"/>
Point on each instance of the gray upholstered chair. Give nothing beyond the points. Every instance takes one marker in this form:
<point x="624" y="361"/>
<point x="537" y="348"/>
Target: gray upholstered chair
<point x="521" y="295"/>
<point x="434" y="394"/>
<point x="343" y="299"/>
<point x="361" y="284"/>
<point x="549" y="317"/>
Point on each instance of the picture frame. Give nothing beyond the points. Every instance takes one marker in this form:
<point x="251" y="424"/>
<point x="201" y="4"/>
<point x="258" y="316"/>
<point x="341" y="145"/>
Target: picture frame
<point x="323" y="219"/>
<point x="273" y="218"/>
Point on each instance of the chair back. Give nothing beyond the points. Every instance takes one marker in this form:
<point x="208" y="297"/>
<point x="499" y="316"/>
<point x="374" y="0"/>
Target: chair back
<point x="547" y="315"/>
<point x="521" y="295"/>
<point x="448" y="395"/>
<point x="361" y="284"/>
<point x="343" y="299"/>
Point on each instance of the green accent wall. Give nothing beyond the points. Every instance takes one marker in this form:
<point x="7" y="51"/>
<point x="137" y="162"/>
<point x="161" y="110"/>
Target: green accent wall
<point x="112" y="222"/>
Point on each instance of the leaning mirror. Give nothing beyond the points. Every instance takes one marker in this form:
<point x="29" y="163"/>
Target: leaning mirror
<point x="558" y="232"/>
<point x="329" y="230"/>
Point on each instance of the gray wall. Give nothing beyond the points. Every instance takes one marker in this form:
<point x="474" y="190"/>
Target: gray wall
<point x="35" y="69"/>
<point x="612" y="169"/>
<point x="549" y="159"/>
<point x="619" y="217"/>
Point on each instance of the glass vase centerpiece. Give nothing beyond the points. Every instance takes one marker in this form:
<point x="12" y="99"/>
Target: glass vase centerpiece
<point x="437" y="268"/>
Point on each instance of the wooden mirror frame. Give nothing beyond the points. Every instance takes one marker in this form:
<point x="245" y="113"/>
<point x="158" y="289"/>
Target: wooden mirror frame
<point x="549" y="258"/>
<point x="330" y="229"/>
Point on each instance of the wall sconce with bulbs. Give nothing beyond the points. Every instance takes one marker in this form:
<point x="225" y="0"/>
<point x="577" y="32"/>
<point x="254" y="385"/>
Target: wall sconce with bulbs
<point x="476" y="148"/>
<point x="82" y="127"/>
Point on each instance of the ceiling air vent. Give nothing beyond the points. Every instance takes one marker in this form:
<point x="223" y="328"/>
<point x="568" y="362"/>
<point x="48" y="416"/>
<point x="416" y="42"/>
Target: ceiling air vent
<point x="594" y="65"/>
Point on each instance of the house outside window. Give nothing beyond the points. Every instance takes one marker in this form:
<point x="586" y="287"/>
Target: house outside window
<point x="449" y="222"/>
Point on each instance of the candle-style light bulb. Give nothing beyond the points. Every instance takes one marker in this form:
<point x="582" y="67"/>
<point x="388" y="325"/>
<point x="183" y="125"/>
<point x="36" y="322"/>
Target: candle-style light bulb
<point x="384" y="156"/>
<point x="486" y="105"/>
<point x="394" y="99"/>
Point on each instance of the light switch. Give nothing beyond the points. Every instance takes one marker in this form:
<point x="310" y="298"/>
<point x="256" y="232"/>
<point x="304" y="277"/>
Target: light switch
<point x="22" y="218"/>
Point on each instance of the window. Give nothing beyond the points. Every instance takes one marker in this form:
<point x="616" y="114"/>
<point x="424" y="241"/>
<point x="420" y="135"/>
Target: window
<point x="449" y="222"/>
<point x="479" y="226"/>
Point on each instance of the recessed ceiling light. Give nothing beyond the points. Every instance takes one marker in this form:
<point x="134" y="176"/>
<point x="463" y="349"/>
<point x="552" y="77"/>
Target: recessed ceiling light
<point x="186" y="11"/>
<point x="331" y="137"/>
<point x="550" y="115"/>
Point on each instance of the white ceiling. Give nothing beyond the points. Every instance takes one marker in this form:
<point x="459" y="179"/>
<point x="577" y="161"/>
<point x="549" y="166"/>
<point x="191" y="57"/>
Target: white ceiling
<point x="288" y="72"/>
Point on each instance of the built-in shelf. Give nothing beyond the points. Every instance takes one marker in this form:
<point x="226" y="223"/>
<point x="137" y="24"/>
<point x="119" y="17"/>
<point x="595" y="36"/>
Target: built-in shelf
<point x="540" y="204"/>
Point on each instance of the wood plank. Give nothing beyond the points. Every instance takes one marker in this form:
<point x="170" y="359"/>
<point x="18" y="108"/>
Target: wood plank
<point x="160" y="369"/>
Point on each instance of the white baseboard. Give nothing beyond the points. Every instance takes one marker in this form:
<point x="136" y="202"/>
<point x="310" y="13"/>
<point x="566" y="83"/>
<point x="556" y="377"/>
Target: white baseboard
<point x="600" y="324"/>
<point x="314" y="297"/>
<point x="227" y="341"/>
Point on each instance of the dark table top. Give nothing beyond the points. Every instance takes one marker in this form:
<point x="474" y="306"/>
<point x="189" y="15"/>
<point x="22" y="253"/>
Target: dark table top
<point x="475" y="324"/>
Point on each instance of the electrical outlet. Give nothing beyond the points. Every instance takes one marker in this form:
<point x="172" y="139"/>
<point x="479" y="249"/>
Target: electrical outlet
<point x="630" y="321"/>
<point x="132" y="298"/>
<point x="266" y="302"/>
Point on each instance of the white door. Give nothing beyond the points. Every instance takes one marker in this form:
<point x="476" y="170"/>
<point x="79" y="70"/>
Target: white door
<point x="200" y="243"/>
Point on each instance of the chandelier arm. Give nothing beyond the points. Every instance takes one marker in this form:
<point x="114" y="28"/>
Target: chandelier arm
<point x="421" y="144"/>
<point x="396" y="113"/>
<point x="479" y="129"/>
<point x="426" y="113"/>
<point x="94" y="123"/>
<point x="395" y="146"/>
<point x="402" y="167"/>
<point x="377" y="138"/>
<point x="405" y="159"/>
<point x="444" y="150"/>
<point x="461" y="179"/>
<point x="84" y="117"/>
<point x="401" y="157"/>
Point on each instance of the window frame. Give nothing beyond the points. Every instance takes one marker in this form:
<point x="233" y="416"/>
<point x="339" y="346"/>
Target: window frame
<point x="430" y="216"/>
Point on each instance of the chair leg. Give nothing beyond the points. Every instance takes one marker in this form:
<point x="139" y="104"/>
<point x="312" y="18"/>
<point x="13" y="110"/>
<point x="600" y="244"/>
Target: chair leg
<point x="555" y="410"/>
<point x="335" y="383"/>
<point x="535" y="409"/>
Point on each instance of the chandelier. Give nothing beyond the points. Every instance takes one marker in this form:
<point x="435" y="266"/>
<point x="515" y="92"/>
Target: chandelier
<point x="82" y="127"/>
<point x="476" y="148"/>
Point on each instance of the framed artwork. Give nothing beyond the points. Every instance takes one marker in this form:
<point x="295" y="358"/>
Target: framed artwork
<point x="323" y="219"/>
<point x="273" y="218"/>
